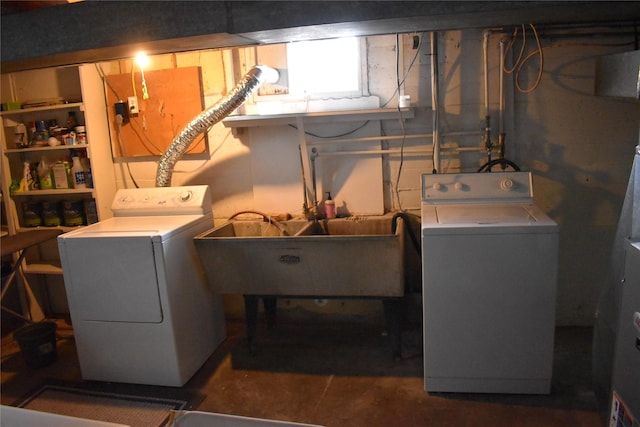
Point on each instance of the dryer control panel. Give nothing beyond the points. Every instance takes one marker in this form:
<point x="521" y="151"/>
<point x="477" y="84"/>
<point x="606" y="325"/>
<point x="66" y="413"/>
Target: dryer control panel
<point x="477" y="187"/>
<point x="153" y="201"/>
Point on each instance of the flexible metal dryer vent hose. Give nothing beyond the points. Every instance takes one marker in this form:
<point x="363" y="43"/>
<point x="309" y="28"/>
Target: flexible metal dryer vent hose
<point x="203" y="121"/>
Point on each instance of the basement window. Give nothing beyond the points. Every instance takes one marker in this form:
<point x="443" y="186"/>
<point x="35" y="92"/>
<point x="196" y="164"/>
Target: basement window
<point x="314" y="70"/>
<point x="324" y="67"/>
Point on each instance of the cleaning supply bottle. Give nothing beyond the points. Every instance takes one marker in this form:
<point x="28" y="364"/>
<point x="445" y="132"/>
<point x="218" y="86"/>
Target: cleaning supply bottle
<point x="329" y="207"/>
<point x="60" y="178"/>
<point x="78" y="175"/>
<point x="87" y="171"/>
<point x="27" y="178"/>
<point x="45" y="174"/>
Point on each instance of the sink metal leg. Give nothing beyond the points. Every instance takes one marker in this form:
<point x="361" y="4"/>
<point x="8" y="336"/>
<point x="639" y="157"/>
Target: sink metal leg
<point x="393" y="316"/>
<point x="270" y="304"/>
<point x="251" y="319"/>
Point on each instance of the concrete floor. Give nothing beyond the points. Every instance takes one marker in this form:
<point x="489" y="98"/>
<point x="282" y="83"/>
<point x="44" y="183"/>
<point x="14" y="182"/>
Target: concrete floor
<point x="342" y="374"/>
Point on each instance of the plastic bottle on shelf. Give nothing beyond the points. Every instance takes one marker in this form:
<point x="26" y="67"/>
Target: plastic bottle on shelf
<point x="90" y="211"/>
<point x="31" y="214"/>
<point x="45" y="174"/>
<point x="81" y="134"/>
<point x="78" y="174"/>
<point x="51" y="216"/>
<point x="27" y="177"/>
<point x="86" y="165"/>
<point x="60" y="175"/>
<point x="71" y="120"/>
<point x="73" y="212"/>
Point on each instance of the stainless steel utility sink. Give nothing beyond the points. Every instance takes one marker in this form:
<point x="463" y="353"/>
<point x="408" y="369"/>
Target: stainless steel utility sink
<point x="343" y="257"/>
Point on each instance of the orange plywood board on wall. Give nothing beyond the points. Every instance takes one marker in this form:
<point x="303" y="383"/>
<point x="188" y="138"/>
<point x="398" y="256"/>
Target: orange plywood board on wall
<point x="175" y="98"/>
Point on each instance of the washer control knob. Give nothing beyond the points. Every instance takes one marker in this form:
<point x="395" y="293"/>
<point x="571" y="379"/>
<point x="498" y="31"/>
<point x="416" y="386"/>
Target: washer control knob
<point x="437" y="186"/>
<point x="507" y="184"/>
<point x="458" y="186"/>
<point x="185" y="196"/>
<point x="636" y="321"/>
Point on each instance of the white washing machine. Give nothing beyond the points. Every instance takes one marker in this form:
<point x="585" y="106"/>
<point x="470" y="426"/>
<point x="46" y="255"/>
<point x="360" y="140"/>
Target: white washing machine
<point x="490" y="261"/>
<point x="625" y="383"/>
<point x="141" y="308"/>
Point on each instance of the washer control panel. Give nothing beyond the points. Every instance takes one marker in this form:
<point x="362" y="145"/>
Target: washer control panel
<point x="477" y="187"/>
<point x="185" y="200"/>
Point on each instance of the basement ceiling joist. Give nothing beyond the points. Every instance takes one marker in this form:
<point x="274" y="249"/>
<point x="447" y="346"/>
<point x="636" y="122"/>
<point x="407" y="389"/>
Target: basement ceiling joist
<point x="91" y="31"/>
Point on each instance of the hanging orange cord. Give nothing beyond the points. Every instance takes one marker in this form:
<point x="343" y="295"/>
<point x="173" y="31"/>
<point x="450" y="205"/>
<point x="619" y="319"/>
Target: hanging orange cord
<point x="514" y="37"/>
<point x="133" y="81"/>
<point x="520" y="62"/>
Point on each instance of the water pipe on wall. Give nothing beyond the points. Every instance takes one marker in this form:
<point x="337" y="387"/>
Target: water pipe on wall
<point x="240" y="93"/>
<point x="435" y="107"/>
<point x="487" y="116"/>
<point x="409" y="152"/>
<point x="489" y="146"/>
<point x="392" y="137"/>
<point x="501" y="133"/>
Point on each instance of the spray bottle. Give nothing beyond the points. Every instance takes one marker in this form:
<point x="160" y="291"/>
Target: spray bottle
<point x="329" y="207"/>
<point x="78" y="174"/>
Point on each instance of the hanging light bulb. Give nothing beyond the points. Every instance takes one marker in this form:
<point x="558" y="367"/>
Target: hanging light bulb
<point x="142" y="60"/>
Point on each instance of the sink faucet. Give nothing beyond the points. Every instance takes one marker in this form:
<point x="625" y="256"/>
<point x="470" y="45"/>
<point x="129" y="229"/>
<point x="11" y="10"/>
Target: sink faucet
<point x="314" y="208"/>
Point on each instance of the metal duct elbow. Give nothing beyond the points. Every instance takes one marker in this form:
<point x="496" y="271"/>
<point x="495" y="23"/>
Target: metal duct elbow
<point x="203" y="121"/>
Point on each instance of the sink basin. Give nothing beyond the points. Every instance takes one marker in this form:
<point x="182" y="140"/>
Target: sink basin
<point x="343" y="257"/>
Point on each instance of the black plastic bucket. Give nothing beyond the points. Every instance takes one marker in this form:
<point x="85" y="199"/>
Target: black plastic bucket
<point x="37" y="343"/>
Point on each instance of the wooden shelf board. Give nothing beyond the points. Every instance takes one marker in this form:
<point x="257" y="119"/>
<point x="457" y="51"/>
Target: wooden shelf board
<point x="52" y="267"/>
<point x="70" y="105"/>
<point x="46" y="148"/>
<point x="58" y="192"/>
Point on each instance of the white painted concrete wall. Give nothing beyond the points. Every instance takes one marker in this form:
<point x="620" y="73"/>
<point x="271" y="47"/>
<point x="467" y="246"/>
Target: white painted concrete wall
<point x="578" y="146"/>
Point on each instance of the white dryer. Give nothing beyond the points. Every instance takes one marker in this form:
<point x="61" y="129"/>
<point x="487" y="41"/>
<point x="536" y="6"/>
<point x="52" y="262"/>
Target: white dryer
<point x="490" y="261"/>
<point x="141" y="308"/>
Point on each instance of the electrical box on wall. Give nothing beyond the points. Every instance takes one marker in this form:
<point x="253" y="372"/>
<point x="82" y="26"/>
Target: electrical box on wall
<point x="133" y="105"/>
<point x="120" y="108"/>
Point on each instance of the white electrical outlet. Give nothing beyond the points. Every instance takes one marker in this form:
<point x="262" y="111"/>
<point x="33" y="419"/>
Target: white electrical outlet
<point x="133" y="105"/>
